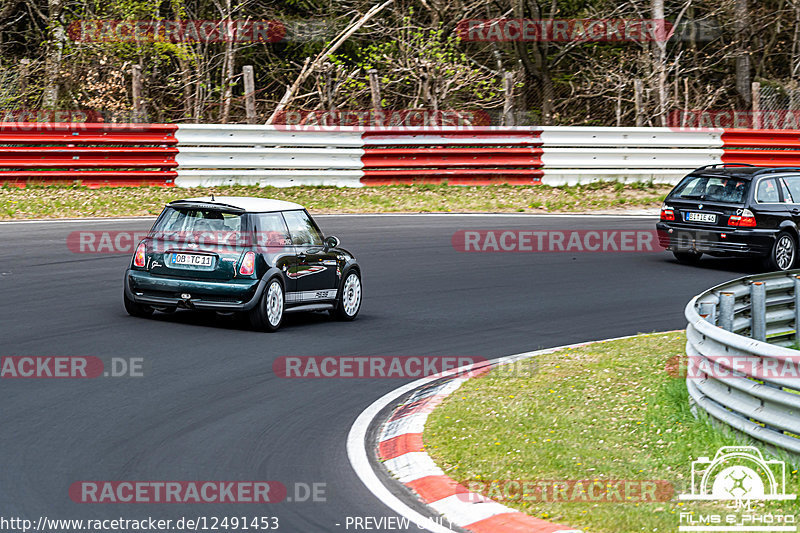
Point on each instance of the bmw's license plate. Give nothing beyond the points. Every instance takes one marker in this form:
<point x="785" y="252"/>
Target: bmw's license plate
<point x="701" y="217"/>
<point x="191" y="260"/>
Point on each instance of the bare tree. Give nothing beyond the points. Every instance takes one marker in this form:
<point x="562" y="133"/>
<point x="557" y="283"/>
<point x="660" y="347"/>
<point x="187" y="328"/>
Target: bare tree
<point x="743" y="75"/>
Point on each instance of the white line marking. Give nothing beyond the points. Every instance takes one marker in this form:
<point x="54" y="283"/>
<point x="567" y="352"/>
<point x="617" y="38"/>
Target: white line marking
<point x="408" y="424"/>
<point x="452" y="215"/>
<point x="465" y="513"/>
<point x="78" y="220"/>
<point x="413" y="465"/>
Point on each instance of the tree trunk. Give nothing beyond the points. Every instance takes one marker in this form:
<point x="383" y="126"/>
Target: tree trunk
<point x="249" y="93"/>
<point x="183" y="64"/>
<point x="375" y="89"/>
<point x="660" y="66"/>
<point x="136" y="94"/>
<point x="637" y="102"/>
<point x="227" y="69"/>
<point x="743" y="75"/>
<point x="535" y="63"/>
<point x="53" y="52"/>
<point x="755" y="96"/>
<point x="508" y="103"/>
<point x="796" y="42"/>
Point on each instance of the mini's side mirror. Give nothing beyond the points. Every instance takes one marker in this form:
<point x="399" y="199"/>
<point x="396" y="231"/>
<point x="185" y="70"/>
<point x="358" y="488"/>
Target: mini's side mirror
<point x="332" y="242"/>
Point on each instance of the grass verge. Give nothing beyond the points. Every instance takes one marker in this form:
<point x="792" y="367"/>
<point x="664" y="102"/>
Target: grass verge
<point x="77" y="201"/>
<point x="607" y="411"/>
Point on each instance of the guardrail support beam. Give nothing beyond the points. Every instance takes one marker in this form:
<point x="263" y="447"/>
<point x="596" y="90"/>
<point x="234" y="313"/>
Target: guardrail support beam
<point x="708" y="310"/>
<point x="758" y="310"/>
<point x="726" y="304"/>
<point x="797" y="309"/>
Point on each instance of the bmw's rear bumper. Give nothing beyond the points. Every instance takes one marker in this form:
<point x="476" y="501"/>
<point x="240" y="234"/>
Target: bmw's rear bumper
<point x="723" y="241"/>
<point x="234" y="295"/>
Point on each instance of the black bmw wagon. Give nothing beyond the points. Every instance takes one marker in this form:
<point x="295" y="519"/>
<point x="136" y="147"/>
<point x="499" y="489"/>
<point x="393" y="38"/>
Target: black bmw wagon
<point x="734" y="210"/>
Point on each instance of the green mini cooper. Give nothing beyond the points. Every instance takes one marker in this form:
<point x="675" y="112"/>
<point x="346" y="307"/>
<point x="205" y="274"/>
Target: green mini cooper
<point x="260" y="257"/>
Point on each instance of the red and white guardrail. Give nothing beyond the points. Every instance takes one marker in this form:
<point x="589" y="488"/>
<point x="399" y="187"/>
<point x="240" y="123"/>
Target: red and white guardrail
<point x="189" y="155"/>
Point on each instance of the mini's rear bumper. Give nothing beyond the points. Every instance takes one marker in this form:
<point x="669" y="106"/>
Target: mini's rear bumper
<point x="234" y="295"/>
<point x="716" y="241"/>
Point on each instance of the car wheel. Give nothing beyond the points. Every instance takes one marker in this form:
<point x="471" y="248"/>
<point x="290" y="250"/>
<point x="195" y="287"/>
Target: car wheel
<point x="267" y="315"/>
<point x="348" y="303"/>
<point x="134" y="309"/>
<point x="688" y="258"/>
<point x="783" y="253"/>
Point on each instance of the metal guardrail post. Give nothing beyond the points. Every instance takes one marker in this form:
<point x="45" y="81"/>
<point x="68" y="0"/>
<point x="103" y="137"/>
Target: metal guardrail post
<point x="758" y="310"/>
<point x="760" y="400"/>
<point x="726" y="304"/>
<point x="708" y="310"/>
<point x="797" y="309"/>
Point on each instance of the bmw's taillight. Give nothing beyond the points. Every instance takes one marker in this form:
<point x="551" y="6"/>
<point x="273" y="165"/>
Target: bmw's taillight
<point x="248" y="264"/>
<point x="745" y="220"/>
<point x="139" y="256"/>
<point x="667" y="213"/>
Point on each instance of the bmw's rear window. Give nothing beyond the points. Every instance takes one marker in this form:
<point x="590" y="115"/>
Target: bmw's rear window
<point x="712" y="189"/>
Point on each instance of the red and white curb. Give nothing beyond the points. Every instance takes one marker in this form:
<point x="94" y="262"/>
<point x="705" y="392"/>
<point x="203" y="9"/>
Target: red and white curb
<point x="400" y="447"/>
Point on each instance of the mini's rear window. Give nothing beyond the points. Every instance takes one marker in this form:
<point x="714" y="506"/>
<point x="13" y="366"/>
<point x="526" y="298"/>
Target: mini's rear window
<point x="178" y="223"/>
<point x="712" y="189"/>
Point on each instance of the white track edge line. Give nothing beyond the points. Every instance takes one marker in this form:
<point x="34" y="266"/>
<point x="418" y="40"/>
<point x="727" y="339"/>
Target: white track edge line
<point x="358" y="453"/>
<point x="321" y="215"/>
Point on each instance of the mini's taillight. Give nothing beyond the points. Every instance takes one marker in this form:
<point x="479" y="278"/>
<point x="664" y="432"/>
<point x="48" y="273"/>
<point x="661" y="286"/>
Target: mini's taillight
<point x="745" y="220"/>
<point x="248" y="264"/>
<point x="667" y="213"/>
<point x="139" y="256"/>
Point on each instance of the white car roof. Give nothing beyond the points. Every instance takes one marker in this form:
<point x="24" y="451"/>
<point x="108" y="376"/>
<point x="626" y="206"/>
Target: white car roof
<point x="251" y="205"/>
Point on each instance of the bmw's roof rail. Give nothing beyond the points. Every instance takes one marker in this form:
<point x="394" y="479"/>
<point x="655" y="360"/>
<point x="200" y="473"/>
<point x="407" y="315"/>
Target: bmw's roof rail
<point x="715" y="165"/>
<point x="776" y="169"/>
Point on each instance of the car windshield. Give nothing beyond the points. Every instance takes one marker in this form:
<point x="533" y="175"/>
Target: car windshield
<point x="712" y="189"/>
<point x="192" y="224"/>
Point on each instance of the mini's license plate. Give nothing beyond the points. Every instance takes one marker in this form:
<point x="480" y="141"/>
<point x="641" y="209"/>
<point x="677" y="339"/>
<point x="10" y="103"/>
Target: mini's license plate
<point x="191" y="260"/>
<point x="701" y="217"/>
